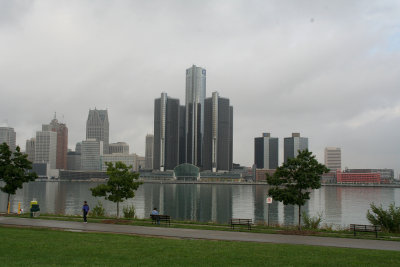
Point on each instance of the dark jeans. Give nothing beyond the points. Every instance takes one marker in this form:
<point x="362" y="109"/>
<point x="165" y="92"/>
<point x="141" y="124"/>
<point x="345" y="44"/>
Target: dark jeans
<point x="85" y="216"/>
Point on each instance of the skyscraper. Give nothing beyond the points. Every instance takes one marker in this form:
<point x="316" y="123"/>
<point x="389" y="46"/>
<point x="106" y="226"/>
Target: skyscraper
<point x="194" y="119"/>
<point x="333" y="158"/>
<point x="149" y="152"/>
<point x="30" y="149"/>
<point x="119" y="147"/>
<point x="62" y="141"/>
<point x="97" y="127"/>
<point x="166" y="133"/>
<point x="266" y="152"/>
<point x="218" y="134"/>
<point x="91" y="152"/>
<point x="8" y="136"/>
<point x="292" y="145"/>
<point x="46" y="148"/>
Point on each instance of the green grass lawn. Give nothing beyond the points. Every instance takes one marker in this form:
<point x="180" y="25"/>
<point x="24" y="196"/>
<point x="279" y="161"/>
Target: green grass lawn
<point x="43" y="247"/>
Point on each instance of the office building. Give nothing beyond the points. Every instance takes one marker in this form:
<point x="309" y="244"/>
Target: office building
<point x="62" y="141"/>
<point x="357" y="178"/>
<point x="149" y="152"/>
<point x="30" y="149"/>
<point x="97" y="127"/>
<point x="91" y="151"/>
<point x="78" y="147"/>
<point x="194" y="117"/>
<point x="74" y="161"/>
<point x="139" y="162"/>
<point x="120" y="147"/>
<point x="218" y="134"/>
<point x="166" y="133"/>
<point x="46" y="148"/>
<point x="8" y="136"/>
<point x="333" y="158"/>
<point x="128" y="160"/>
<point x="292" y="146"/>
<point x="266" y="152"/>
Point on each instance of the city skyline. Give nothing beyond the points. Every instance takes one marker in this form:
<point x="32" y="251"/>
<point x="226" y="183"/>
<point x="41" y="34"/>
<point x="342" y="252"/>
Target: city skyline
<point x="327" y="70"/>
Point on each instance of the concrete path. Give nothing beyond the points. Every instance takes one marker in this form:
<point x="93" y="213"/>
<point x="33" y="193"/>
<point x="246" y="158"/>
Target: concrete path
<point x="164" y="231"/>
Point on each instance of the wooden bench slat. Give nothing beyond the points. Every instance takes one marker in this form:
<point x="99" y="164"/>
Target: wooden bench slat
<point x="365" y="228"/>
<point x="237" y="221"/>
<point x="161" y="217"/>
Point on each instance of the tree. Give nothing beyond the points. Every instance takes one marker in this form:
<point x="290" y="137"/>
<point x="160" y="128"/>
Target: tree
<point x="121" y="184"/>
<point x="13" y="170"/>
<point x="293" y="180"/>
<point x="388" y="219"/>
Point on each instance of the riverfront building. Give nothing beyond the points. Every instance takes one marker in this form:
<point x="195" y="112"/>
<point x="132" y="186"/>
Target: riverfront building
<point x="62" y="141"/>
<point x="74" y="161"/>
<point x="46" y="148"/>
<point x="91" y="152"/>
<point x="149" y="152"/>
<point x="128" y="160"/>
<point x="30" y="149"/>
<point x="266" y="152"/>
<point x="8" y="136"/>
<point x="358" y="178"/>
<point x="292" y="146"/>
<point x="166" y="133"/>
<point x="97" y="127"/>
<point x="120" y="147"/>
<point x="218" y="134"/>
<point x="194" y="117"/>
<point x="333" y="158"/>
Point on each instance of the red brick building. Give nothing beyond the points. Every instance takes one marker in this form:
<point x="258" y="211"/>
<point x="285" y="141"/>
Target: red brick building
<point x="358" y="178"/>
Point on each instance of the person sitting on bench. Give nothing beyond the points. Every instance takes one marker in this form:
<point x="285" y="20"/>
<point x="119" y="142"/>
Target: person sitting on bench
<point x="155" y="212"/>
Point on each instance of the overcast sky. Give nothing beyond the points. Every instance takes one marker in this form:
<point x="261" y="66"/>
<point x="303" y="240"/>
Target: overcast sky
<point x="327" y="69"/>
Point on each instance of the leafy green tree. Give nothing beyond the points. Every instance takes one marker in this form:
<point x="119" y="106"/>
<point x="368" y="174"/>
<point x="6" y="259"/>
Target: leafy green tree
<point x="293" y="180"/>
<point x="13" y="170"/>
<point x="388" y="219"/>
<point x="121" y="185"/>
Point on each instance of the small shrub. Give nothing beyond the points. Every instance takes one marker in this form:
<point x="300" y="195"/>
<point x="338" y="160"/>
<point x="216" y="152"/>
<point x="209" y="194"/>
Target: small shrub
<point x="312" y="222"/>
<point x="129" y="211"/>
<point x="389" y="219"/>
<point x="99" y="210"/>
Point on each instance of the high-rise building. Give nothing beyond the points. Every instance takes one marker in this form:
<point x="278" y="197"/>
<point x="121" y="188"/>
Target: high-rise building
<point x="218" y="134"/>
<point x="8" y="136"/>
<point x="266" y="152"/>
<point x="62" y="141"/>
<point x="78" y="147"/>
<point x="140" y="161"/>
<point x="97" y="127"/>
<point x="46" y="148"/>
<point x="149" y="152"/>
<point x="91" y="152"/>
<point x="128" y="160"/>
<point x="74" y="161"/>
<point x="30" y="149"/>
<point x="292" y="146"/>
<point x="333" y="158"/>
<point x="194" y="118"/>
<point x="120" y="147"/>
<point x="166" y="133"/>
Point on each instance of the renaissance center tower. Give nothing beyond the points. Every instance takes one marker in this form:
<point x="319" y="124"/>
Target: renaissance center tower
<point x="194" y="119"/>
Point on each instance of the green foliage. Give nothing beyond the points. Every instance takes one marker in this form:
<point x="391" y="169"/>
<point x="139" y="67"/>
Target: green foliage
<point x="312" y="222"/>
<point x="129" y="211"/>
<point x="99" y="210"/>
<point x="293" y="180"/>
<point x="13" y="170"/>
<point x="389" y="219"/>
<point x="121" y="185"/>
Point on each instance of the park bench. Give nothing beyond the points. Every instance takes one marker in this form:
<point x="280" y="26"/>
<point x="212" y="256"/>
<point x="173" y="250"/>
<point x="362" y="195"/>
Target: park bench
<point x="241" y="222"/>
<point x="160" y="218"/>
<point x="365" y="228"/>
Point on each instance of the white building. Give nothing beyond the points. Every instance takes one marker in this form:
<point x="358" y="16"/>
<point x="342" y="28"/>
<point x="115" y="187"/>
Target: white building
<point x="46" y="148"/>
<point x="128" y="160"/>
<point x="140" y="161"/>
<point x="333" y="158"/>
<point x="8" y="136"/>
<point x="120" y="147"/>
<point x="30" y="149"/>
<point x="91" y="152"/>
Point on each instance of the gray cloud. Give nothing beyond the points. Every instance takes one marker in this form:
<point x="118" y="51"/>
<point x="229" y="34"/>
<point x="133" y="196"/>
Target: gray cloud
<point x="328" y="70"/>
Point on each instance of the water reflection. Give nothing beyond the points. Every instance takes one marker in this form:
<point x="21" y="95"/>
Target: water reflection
<point x="209" y="202"/>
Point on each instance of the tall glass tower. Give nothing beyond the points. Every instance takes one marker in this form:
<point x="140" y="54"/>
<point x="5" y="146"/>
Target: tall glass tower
<point x="194" y="119"/>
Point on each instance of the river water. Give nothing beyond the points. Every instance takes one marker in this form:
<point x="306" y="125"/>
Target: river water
<point x="339" y="205"/>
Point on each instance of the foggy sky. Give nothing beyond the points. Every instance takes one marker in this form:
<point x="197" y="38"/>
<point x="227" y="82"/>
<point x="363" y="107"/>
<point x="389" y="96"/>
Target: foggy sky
<point x="327" y="69"/>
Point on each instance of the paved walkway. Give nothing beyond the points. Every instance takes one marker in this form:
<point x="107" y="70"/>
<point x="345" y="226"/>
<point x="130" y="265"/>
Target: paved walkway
<point x="203" y="234"/>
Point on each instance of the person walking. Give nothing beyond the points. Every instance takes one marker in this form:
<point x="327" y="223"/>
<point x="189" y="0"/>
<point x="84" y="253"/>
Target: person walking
<point x="85" y="210"/>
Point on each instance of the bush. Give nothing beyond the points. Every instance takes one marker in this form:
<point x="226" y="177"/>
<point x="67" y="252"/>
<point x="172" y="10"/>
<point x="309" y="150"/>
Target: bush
<point x="99" y="210"/>
<point x="129" y="211"/>
<point x="312" y="222"/>
<point x="389" y="219"/>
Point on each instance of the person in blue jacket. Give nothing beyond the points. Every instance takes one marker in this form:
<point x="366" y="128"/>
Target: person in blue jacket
<point x="85" y="210"/>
